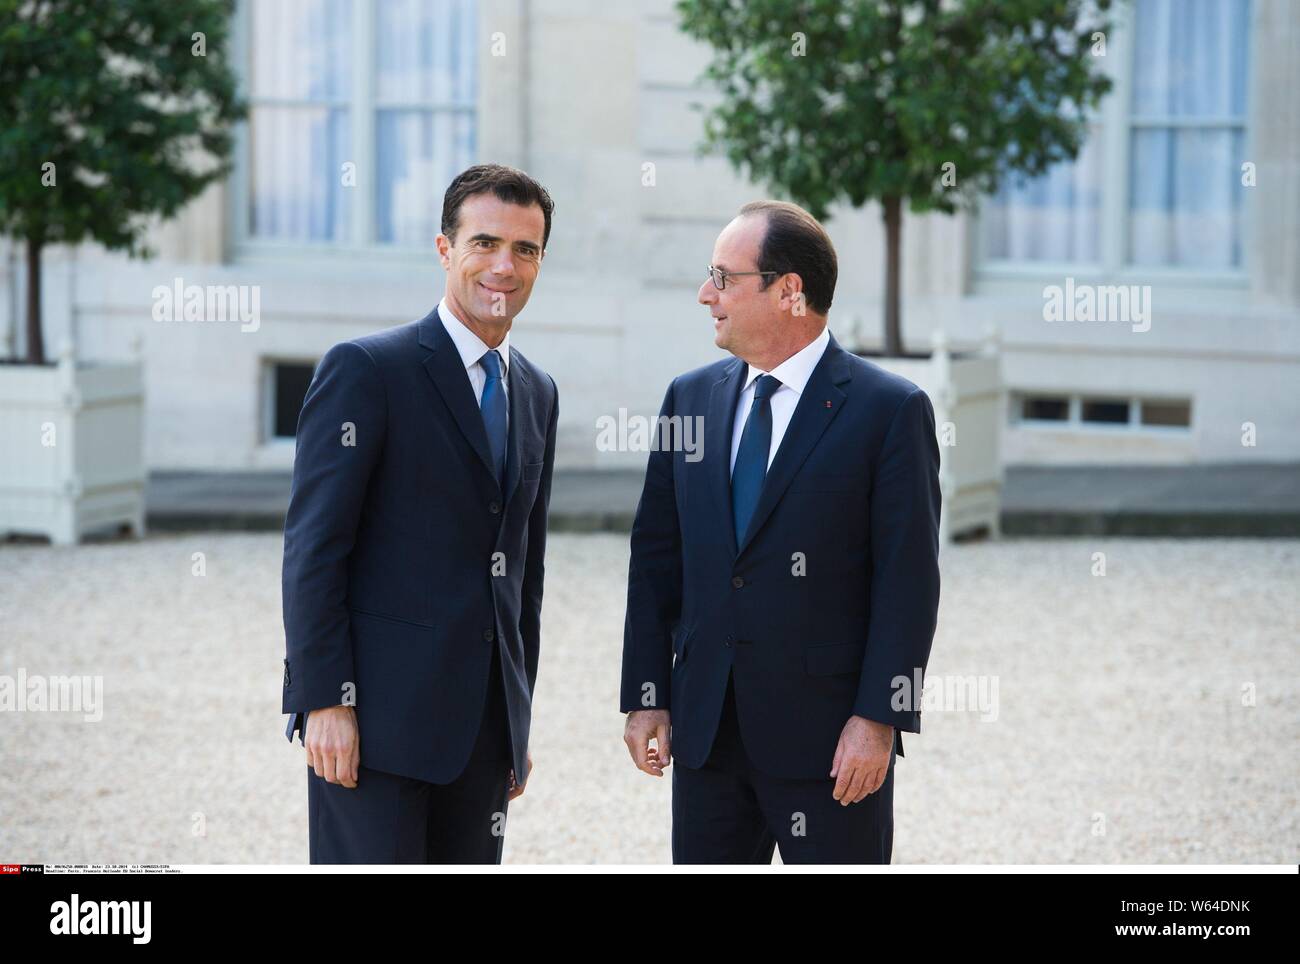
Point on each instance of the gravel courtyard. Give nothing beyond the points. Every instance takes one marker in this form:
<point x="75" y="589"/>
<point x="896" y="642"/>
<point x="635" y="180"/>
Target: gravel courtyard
<point x="1150" y="715"/>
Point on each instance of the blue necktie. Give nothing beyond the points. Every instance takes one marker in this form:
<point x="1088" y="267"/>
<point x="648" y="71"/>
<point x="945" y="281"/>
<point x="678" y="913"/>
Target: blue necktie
<point x="751" y="458"/>
<point x="493" y="406"/>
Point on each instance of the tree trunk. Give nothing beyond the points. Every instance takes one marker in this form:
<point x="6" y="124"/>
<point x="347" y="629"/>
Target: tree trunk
<point x="893" y="262"/>
<point x="35" y="343"/>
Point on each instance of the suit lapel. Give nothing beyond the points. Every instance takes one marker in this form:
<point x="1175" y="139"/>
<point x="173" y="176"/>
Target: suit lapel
<point x="447" y="371"/>
<point x="817" y="407"/>
<point x="719" y="423"/>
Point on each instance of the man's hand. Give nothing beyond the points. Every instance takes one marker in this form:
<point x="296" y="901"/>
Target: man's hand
<point x="517" y="788"/>
<point x="643" y="726"/>
<point x="861" y="759"/>
<point x="333" y="744"/>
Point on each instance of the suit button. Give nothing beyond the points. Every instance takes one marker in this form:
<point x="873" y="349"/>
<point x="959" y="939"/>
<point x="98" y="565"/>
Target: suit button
<point x="737" y="581"/>
<point x="494" y="508"/>
<point x="727" y="642"/>
<point x="489" y="635"/>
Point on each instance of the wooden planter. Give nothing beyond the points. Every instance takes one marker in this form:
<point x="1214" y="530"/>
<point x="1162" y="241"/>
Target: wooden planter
<point x="72" y="438"/>
<point x="967" y="393"/>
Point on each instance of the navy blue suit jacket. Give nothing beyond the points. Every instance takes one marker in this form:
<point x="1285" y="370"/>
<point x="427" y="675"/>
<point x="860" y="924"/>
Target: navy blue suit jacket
<point x="851" y="501"/>
<point x="405" y="562"/>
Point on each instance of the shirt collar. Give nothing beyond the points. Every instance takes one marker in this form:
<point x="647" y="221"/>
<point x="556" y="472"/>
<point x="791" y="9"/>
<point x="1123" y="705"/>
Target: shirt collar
<point x="795" y="371"/>
<point x="469" y="345"/>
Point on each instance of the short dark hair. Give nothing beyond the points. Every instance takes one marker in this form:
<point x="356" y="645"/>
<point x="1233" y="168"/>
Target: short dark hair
<point x="796" y="242"/>
<point x="509" y="184"/>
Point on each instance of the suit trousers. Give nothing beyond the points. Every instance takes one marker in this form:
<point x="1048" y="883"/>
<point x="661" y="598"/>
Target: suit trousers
<point x="730" y="812"/>
<point x="392" y="819"/>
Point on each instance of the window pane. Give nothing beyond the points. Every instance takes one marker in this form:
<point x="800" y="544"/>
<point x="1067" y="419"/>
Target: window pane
<point x="425" y="54"/>
<point x="426" y="51"/>
<point x="1166" y="413"/>
<point x="1186" y="197"/>
<point x="1042" y="408"/>
<point x="296" y="186"/>
<point x="1098" y="410"/>
<point x="418" y="153"/>
<point x="1055" y="217"/>
<point x="300" y="78"/>
<point x="301" y="49"/>
<point x="1185" y="191"/>
<point x="291" y="383"/>
<point x="1190" y="58"/>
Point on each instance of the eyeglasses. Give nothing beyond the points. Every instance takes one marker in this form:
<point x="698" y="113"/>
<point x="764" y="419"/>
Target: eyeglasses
<point x="720" y="277"/>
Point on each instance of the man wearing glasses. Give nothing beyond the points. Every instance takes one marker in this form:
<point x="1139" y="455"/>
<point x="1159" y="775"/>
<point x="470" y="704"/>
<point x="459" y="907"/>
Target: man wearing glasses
<point x="783" y="589"/>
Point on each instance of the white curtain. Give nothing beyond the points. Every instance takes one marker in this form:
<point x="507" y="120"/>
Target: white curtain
<point x="1055" y="217"/>
<point x="425" y="88"/>
<point x="1188" y="136"/>
<point x="303" y="108"/>
<point x="299" y="124"/>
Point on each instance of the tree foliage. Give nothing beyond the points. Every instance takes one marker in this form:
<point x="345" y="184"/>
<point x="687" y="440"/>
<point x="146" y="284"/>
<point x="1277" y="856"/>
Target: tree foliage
<point x="130" y="101"/>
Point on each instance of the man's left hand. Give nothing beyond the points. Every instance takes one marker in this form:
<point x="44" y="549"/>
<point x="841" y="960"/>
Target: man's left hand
<point x="861" y="759"/>
<point x="516" y="788"/>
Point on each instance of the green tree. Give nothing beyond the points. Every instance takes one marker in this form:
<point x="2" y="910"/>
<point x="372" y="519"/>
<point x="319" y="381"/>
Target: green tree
<point x="111" y="111"/>
<point x="856" y="100"/>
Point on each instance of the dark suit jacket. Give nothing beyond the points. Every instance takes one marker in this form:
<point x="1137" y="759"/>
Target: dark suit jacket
<point x="389" y="547"/>
<point x="853" y="491"/>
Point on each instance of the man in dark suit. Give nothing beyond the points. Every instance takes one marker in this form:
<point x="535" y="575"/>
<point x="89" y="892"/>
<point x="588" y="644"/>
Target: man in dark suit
<point x="783" y="589"/>
<point x="413" y="553"/>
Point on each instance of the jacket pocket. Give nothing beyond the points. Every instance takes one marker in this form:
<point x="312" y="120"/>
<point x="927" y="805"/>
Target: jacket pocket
<point x="834" y="659"/>
<point x="531" y="471"/>
<point x="390" y="619"/>
<point x="827" y="483"/>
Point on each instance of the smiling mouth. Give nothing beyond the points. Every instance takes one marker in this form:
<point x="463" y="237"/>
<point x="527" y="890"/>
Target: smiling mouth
<point x="497" y="291"/>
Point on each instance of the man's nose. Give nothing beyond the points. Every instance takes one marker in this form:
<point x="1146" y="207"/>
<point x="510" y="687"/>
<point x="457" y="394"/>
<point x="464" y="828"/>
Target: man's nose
<point x="708" y="294"/>
<point x="504" y="262"/>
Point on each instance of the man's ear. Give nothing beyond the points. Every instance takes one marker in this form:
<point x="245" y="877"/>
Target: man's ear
<point x="791" y="289"/>
<point x="444" y="243"/>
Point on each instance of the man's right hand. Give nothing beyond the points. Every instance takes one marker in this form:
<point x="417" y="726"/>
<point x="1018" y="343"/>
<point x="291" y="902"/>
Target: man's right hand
<point x="333" y="744"/>
<point x="643" y="726"/>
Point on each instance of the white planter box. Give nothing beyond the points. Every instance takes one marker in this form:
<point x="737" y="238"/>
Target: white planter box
<point x="71" y="448"/>
<point x="967" y="393"/>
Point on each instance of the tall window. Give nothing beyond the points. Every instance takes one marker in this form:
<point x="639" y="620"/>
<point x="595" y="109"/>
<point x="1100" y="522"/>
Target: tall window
<point x="1188" y="133"/>
<point x="1158" y="182"/>
<point x="362" y="111"/>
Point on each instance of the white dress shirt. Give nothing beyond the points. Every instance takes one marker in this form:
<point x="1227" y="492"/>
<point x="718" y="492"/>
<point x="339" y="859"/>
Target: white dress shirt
<point x="471" y="349"/>
<point x="793" y="374"/>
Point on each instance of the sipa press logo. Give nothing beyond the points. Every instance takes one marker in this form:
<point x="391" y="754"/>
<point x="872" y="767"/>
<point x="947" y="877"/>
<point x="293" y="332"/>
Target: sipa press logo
<point x="102" y="917"/>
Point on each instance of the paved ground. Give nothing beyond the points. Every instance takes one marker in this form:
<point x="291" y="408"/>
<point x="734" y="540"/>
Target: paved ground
<point x="1120" y="731"/>
<point x="1259" y="500"/>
